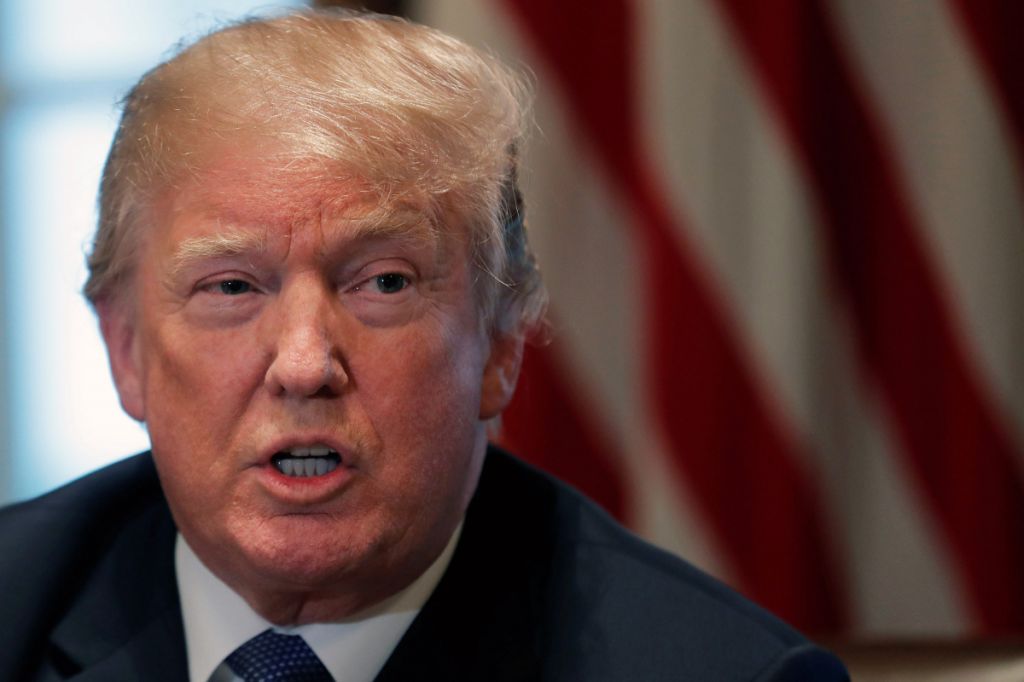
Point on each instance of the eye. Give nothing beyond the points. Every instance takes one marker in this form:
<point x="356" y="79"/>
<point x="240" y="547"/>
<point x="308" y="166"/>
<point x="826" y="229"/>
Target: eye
<point x="391" y="282"/>
<point x="234" y="287"/>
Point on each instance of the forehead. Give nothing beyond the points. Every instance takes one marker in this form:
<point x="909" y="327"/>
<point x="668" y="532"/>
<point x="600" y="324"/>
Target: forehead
<point x="251" y="194"/>
<point x="277" y="189"/>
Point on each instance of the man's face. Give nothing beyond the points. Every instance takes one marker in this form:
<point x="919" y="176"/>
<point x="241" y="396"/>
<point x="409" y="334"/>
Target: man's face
<point x="274" y="317"/>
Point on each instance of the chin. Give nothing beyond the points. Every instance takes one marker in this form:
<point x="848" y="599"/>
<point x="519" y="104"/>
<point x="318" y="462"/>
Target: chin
<point x="298" y="553"/>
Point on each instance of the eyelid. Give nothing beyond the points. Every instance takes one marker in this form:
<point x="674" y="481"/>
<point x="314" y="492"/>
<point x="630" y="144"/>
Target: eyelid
<point x="211" y="282"/>
<point x="384" y="266"/>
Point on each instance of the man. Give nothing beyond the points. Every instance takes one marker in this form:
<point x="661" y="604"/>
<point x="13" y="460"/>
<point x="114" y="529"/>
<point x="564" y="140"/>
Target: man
<point x="312" y="277"/>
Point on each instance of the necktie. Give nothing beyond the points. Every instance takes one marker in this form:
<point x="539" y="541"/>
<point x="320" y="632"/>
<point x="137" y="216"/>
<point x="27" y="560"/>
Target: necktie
<point x="273" y="657"/>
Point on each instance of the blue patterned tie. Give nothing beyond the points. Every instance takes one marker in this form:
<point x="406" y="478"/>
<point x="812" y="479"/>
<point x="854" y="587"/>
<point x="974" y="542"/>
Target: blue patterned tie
<point x="273" y="657"/>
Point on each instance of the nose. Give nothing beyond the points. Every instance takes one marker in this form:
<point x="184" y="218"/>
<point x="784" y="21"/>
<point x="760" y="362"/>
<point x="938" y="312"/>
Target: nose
<point x="307" y="361"/>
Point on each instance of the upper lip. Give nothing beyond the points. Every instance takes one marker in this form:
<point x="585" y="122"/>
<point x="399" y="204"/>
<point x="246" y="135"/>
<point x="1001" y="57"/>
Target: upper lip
<point x="302" y="451"/>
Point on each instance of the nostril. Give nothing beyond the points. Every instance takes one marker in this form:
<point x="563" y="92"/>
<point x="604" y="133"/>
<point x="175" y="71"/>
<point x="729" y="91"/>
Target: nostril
<point x="325" y="391"/>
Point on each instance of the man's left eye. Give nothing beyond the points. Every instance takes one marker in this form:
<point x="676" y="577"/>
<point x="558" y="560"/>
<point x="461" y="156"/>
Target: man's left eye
<point x="234" y="287"/>
<point x="391" y="282"/>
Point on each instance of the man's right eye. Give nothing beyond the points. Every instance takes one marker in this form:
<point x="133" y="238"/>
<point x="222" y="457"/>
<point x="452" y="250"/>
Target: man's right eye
<point x="234" y="287"/>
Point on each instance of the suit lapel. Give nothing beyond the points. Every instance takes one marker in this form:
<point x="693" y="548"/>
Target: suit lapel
<point x="151" y="654"/>
<point x="126" y="621"/>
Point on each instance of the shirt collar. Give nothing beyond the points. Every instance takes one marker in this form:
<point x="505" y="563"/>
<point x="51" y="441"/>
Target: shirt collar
<point x="217" y="621"/>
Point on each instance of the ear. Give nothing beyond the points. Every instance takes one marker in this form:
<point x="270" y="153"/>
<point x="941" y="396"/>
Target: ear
<point x="117" y="323"/>
<point x="500" y="374"/>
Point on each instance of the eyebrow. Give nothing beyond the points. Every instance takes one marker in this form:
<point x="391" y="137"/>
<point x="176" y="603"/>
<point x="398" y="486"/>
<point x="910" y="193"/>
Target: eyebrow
<point x="222" y="245"/>
<point x="382" y="222"/>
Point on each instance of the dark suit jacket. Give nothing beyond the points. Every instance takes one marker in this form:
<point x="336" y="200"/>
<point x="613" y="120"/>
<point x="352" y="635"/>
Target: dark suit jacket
<point x="542" y="586"/>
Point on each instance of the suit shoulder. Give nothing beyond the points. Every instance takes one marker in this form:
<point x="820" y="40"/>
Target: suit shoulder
<point x="44" y="539"/>
<point x="629" y="610"/>
<point x="113" y="522"/>
<point x="116" y="488"/>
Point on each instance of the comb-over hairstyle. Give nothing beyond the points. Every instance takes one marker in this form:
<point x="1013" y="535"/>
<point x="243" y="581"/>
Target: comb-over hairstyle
<point x="405" y="110"/>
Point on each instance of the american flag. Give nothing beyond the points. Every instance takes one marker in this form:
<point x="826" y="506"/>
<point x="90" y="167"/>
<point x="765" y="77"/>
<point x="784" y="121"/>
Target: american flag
<point x="785" y="245"/>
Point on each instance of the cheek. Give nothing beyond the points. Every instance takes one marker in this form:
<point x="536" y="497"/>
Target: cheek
<point x="439" y="370"/>
<point x="202" y="385"/>
<point x="215" y="358"/>
<point x="423" y="389"/>
<point x="196" y="379"/>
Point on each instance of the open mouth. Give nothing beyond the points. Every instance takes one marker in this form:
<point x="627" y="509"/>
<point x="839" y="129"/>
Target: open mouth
<point x="302" y="462"/>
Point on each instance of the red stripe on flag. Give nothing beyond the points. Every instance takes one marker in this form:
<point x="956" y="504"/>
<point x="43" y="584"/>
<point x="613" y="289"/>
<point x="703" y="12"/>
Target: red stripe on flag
<point x="962" y="457"/>
<point x="550" y="426"/>
<point x="995" y="27"/>
<point x="727" y="444"/>
<point x="731" y="445"/>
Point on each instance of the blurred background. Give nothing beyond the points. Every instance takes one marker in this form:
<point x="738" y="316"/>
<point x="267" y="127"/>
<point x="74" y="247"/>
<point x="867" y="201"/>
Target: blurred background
<point x="785" y="246"/>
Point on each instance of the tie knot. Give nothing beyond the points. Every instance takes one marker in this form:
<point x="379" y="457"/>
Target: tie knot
<point x="273" y="657"/>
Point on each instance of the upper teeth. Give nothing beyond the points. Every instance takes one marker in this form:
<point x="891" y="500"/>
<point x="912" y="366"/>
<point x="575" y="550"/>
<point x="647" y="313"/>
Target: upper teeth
<point x="315" y="460"/>
<point x="306" y="467"/>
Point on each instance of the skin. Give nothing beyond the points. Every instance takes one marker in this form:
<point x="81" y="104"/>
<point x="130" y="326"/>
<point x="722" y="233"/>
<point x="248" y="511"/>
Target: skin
<point x="273" y="311"/>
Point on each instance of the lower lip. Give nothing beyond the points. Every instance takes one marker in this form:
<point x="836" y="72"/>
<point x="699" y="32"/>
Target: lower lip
<point x="305" y="489"/>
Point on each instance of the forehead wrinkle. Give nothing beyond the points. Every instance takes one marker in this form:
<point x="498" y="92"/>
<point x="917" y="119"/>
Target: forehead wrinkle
<point x="386" y="222"/>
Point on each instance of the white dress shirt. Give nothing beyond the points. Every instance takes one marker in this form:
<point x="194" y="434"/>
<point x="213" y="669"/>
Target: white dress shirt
<point x="217" y="621"/>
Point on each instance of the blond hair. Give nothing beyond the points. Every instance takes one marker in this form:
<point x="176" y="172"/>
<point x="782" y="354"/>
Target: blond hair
<point x="402" y="107"/>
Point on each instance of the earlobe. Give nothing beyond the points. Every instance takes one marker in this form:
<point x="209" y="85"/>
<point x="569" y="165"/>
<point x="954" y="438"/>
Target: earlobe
<point x="500" y="374"/>
<point x="118" y="328"/>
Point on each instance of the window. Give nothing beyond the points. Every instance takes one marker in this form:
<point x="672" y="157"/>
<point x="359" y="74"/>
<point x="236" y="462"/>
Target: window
<point x="64" y="64"/>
